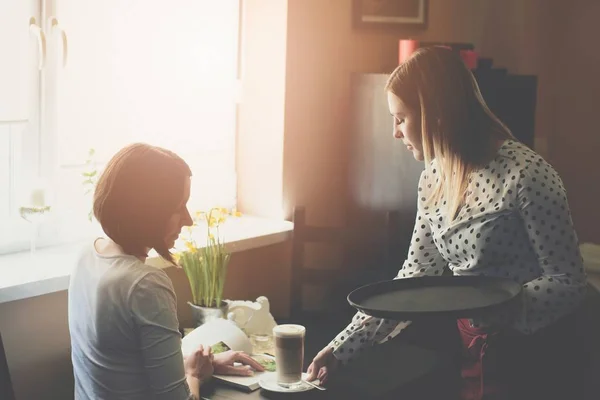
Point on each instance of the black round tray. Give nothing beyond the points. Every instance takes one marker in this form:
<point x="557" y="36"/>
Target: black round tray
<point x="429" y="296"/>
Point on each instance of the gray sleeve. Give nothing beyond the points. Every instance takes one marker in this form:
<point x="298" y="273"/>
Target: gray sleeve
<point x="154" y="313"/>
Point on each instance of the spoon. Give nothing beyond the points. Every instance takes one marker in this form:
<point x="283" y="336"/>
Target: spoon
<point x="314" y="385"/>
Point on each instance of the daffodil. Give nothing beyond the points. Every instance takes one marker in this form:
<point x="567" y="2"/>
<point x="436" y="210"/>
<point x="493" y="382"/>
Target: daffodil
<point x="176" y="257"/>
<point x="190" y="246"/>
<point x="206" y="267"/>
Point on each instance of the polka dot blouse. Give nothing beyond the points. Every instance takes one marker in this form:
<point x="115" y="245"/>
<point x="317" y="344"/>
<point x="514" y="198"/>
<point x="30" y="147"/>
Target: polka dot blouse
<point x="515" y="223"/>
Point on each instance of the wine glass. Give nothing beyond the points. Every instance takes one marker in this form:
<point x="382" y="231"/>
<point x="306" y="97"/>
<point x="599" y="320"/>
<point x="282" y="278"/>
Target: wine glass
<point x="34" y="212"/>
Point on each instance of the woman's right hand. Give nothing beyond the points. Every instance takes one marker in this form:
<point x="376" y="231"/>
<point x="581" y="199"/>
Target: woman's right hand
<point x="323" y="365"/>
<point x="199" y="364"/>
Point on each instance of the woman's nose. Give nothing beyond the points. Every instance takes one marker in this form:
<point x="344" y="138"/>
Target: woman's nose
<point x="187" y="220"/>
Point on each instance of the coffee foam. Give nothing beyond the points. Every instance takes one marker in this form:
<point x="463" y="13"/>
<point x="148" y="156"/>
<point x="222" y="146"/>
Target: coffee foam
<point x="289" y="330"/>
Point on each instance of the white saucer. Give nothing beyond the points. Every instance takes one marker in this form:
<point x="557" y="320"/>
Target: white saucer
<point x="269" y="382"/>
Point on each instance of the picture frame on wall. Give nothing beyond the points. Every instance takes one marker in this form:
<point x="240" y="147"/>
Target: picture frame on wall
<point x="401" y="15"/>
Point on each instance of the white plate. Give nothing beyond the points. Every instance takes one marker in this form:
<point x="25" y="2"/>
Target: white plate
<point x="269" y="382"/>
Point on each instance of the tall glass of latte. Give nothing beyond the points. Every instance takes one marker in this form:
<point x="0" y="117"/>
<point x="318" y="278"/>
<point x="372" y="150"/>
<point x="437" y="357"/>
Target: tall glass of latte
<point x="289" y="353"/>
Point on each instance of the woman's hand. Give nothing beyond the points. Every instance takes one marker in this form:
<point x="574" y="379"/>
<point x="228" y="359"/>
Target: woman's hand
<point x="223" y="364"/>
<point x="199" y="364"/>
<point x="322" y="366"/>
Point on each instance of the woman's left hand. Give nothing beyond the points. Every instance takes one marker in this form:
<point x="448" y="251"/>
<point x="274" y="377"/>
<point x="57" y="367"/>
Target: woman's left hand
<point x="223" y="363"/>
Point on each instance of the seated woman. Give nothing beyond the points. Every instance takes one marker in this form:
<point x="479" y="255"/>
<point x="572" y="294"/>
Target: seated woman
<point x="487" y="205"/>
<point x="122" y="313"/>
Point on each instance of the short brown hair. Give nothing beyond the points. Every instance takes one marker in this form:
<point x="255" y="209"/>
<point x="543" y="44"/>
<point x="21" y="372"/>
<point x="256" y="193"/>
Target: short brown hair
<point x="139" y="190"/>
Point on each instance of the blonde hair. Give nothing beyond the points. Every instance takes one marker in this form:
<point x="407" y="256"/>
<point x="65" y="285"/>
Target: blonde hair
<point x="458" y="130"/>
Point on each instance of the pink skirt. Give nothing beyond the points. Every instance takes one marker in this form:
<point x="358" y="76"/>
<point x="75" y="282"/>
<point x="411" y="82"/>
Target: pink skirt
<point x="479" y="377"/>
<point x="495" y="365"/>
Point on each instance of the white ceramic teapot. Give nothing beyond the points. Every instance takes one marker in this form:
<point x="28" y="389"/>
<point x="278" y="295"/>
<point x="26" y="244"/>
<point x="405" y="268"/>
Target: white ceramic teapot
<point x="253" y="317"/>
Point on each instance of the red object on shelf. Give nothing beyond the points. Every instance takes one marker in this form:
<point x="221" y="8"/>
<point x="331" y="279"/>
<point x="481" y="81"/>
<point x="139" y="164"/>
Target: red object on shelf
<point x="405" y="48"/>
<point x="470" y="58"/>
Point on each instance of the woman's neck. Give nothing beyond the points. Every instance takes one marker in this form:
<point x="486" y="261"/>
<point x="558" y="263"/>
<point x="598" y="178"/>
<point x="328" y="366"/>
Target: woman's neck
<point x="108" y="248"/>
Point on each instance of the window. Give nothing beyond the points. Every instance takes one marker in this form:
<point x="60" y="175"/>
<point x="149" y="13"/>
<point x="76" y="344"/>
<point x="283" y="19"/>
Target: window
<point x="161" y="72"/>
<point x="19" y="116"/>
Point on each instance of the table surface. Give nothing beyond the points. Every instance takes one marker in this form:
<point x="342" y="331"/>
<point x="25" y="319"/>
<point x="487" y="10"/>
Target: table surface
<point x="594" y="279"/>
<point x="221" y="392"/>
<point x="355" y="380"/>
<point x="314" y="342"/>
<point x="402" y="370"/>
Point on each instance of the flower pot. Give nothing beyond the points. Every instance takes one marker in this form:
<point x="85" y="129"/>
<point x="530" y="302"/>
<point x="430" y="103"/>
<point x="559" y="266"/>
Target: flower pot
<point x="201" y="314"/>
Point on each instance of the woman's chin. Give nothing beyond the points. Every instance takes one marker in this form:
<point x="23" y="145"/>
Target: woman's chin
<point x="417" y="154"/>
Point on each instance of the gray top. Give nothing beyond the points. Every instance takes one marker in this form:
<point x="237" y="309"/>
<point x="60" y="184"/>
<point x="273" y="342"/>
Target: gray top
<point x="515" y="224"/>
<point x="124" y="330"/>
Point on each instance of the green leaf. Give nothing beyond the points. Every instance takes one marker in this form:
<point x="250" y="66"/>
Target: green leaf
<point x="206" y="271"/>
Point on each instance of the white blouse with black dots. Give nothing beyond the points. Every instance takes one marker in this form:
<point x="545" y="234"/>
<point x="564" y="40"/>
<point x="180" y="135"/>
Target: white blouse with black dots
<point x="515" y="223"/>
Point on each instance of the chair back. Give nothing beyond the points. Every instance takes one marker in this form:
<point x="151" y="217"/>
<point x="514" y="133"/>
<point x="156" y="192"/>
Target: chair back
<point x="368" y="255"/>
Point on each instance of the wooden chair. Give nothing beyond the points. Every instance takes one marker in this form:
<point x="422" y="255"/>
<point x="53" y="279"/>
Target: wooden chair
<point x="6" y="389"/>
<point x="368" y="258"/>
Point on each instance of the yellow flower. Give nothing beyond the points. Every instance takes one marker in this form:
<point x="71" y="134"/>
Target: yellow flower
<point x="212" y="222"/>
<point x="190" y="246"/>
<point x="238" y="214"/>
<point x="176" y="258"/>
<point x="221" y="220"/>
<point x="211" y="236"/>
<point x="200" y="214"/>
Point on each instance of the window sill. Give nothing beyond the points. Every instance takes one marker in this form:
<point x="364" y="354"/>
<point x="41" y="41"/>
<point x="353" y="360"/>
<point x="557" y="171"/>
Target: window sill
<point x="24" y="276"/>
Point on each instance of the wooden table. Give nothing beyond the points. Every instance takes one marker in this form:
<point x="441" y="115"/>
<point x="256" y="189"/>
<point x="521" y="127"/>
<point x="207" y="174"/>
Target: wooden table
<point x="221" y="392"/>
<point x="402" y="371"/>
<point x="418" y="372"/>
<point x="316" y="338"/>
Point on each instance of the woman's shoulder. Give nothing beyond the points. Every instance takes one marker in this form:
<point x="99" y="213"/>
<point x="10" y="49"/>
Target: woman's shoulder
<point x="128" y="272"/>
<point x="520" y="154"/>
<point x="151" y="278"/>
<point x="529" y="168"/>
<point x="523" y="159"/>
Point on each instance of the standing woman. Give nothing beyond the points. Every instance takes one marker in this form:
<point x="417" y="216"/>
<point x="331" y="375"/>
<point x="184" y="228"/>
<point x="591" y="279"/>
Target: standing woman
<point x="123" y="313"/>
<point x="487" y="205"/>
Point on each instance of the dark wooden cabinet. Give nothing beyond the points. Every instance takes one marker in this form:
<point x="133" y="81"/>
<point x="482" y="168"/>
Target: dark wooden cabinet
<point x="512" y="98"/>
